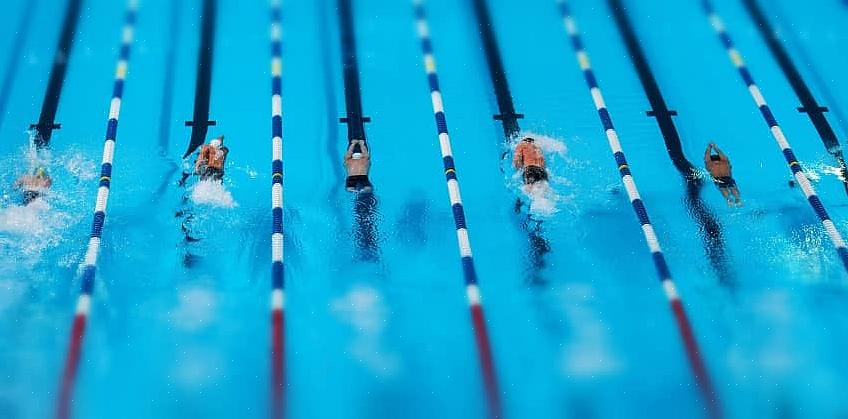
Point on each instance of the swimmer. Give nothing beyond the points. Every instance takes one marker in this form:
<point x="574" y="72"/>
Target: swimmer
<point x="34" y="186"/>
<point x="211" y="159"/>
<point x="357" y="162"/>
<point x="720" y="169"/>
<point x="529" y="158"/>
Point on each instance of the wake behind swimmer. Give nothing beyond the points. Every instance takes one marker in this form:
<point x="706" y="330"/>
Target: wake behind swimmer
<point x="531" y="166"/>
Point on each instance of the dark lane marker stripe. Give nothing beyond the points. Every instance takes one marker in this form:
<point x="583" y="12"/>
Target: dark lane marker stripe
<point x="809" y="104"/>
<point x="713" y="239"/>
<point x="203" y="86"/>
<point x="684" y="326"/>
<point x="353" y="91"/>
<point x="15" y="57"/>
<point x="539" y="245"/>
<point x="659" y="107"/>
<point x="366" y="235"/>
<point x="792" y="162"/>
<point x="47" y="120"/>
<point x="508" y="117"/>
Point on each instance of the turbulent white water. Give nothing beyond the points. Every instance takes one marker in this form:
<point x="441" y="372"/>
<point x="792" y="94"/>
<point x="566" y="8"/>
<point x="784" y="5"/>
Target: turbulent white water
<point x="26" y="231"/>
<point x="209" y="192"/>
<point x="544" y="198"/>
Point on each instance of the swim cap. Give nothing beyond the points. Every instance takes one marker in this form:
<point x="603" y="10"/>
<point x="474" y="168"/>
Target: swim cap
<point x="356" y="156"/>
<point x="215" y="143"/>
<point x="715" y="157"/>
<point x="528" y="139"/>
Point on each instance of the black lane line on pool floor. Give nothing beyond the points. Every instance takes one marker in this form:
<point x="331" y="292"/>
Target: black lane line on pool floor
<point x="539" y="245"/>
<point x="365" y="235"/>
<point x="713" y="237"/>
<point x="353" y="90"/>
<point x="508" y="117"/>
<point x="790" y="39"/>
<point x="15" y="57"/>
<point x="47" y="120"/>
<point x="809" y="104"/>
<point x="200" y="122"/>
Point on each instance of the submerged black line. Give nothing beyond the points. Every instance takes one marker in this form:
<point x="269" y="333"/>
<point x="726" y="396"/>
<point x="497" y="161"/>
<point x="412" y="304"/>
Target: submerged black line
<point x="712" y="234"/>
<point x="366" y="235"/>
<point x="508" y="117"/>
<point x="15" y="57"/>
<point x="809" y="104"/>
<point x="203" y="88"/>
<point x="659" y="108"/>
<point x="538" y="244"/>
<point x="353" y="91"/>
<point x="47" y="120"/>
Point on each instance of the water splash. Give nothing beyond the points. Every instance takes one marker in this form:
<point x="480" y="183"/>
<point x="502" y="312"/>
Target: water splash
<point x="213" y="193"/>
<point x="543" y="198"/>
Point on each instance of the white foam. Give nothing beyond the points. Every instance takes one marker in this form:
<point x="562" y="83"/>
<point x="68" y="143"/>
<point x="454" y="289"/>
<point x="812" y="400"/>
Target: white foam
<point x="210" y="192"/>
<point x="29" y="219"/>
<point x="544" y="197"/>
<point x="548" y="144"/>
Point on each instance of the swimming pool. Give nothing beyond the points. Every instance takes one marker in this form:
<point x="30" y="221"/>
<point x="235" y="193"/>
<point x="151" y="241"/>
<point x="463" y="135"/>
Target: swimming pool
<point x="377" y="320"/>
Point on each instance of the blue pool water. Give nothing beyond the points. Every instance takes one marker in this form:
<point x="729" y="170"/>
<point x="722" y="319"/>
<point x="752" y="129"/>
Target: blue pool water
<point x="583" y="331"/>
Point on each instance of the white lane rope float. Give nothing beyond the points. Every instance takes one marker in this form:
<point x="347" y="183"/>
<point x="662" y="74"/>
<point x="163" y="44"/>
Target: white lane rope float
<point x="89" y="266"/>
<point x="684" y="326"/>
<point x="757" y="95"/>
<point x="469" y="272"/>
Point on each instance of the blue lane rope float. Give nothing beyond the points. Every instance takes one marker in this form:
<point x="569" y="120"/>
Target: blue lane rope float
<point x="469" y="272"/>
<point x="89" y="266"/>
<point x="795" y="166"/>
<point x="684" y="326"/>
<point x="277" y="267"/>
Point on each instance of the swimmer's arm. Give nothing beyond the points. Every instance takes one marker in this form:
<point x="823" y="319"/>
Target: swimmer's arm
<point x="365" y="152"/>
<point x="720" y="153"/>
<point x="518" y="157"/>
<point x="201" y="159"/>
<point x="349" y="154"/>
<point x="707" y="155"/>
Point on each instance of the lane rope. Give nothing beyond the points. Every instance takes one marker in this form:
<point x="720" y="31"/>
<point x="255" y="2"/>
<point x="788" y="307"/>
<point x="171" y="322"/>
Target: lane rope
<point x="277" y="267"/>
<point x="795" y="166"/>
<point x="683" y="325"/>
<point x="469" y="272"/>
<point x="89" y="268"/>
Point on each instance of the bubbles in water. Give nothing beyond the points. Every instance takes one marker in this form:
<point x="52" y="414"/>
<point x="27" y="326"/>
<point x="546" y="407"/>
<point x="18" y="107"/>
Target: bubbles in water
<point x="543" y="197"/>
<point x="212" y="193"/>
<point x="26" y="231"/>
